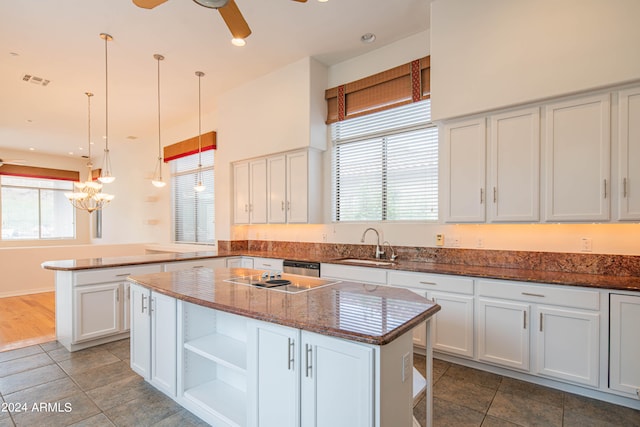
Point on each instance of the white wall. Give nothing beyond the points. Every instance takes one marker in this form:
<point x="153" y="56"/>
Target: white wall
<point x="280" y="111"/>
<point x="494" y="53"/>
<point x="22" y="274"/>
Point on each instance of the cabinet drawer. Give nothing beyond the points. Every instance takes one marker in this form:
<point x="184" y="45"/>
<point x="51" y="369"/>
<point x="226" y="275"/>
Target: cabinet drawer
<point x="357" y="274"/>
<point x="113" y="274"/>
<point x="200" y="263"/>
<point x="541" y="294"/>
<point x="432" y="282"/>
<point x="267" y="264"/>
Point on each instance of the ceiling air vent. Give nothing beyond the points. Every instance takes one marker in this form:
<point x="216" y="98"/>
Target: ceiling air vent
<point x="35" y="80"/>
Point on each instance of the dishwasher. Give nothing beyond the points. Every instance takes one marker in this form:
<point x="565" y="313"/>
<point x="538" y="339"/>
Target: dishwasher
<point x="302" y="268"/>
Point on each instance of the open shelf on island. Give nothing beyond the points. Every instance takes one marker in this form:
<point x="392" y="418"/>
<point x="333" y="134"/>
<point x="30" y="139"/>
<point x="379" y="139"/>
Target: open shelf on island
<point x="224" y="401"/>
<point x="221" y="349"/>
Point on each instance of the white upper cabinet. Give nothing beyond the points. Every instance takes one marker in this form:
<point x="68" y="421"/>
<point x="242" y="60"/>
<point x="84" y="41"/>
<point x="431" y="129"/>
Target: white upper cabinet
<point x="629" y="154"/>
<point x="463" y="171"/>
<point x="298" y="187"/>
<point x="513" y="194"/>
<point x="241" y="193"/>
<point x="250" y="192"/>
<point x="277" y="187"/>
<point x="577" y="145"/>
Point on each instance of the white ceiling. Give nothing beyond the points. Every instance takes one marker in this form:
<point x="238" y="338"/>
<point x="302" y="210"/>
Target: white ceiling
<point x="58" y="40"/>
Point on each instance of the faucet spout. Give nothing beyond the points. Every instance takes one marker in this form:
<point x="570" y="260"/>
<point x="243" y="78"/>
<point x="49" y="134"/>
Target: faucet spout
<point x="379" y="250"/>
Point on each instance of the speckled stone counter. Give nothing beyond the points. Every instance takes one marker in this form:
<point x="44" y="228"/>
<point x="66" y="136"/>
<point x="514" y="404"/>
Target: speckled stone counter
<point x="110" y="262"/>
<point x="358" y="312"/>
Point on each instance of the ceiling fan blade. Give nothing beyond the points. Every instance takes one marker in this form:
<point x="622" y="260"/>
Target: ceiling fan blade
<point x="301" y="1"/>
<point x="234" y="20"/>
<point x="148" y="4"/>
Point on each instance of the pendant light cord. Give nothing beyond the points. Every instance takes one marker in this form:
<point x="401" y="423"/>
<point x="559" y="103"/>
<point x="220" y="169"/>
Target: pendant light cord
<point x="159" y="58"/>
<point x="89" y="95"/>
<point x="200" y="74"/>
<point x="106" y="94"/>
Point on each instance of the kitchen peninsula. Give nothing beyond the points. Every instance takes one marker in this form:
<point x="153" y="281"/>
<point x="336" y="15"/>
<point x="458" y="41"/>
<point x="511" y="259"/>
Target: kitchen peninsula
<point x="328" y="353"/>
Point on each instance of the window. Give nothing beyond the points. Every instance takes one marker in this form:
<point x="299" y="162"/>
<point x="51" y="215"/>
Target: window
<point x="193" y="212"/>
<point x="385" y="166"/>
<point x="36" y="209"/>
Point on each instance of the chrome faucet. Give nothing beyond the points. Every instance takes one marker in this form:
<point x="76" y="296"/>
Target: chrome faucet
<point x="393" y="255"/>
<point x="379" y="250"/>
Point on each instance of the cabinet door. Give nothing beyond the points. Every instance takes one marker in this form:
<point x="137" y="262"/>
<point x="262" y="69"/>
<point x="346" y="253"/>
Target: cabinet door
<point x="624" y="369"/>
<point x="452" y="327"/>
<point x="258" y="192"/>
<point x="578" y="160"/>
<point x="241" y="193"/>
<point x="337" y="382"/>
<point x="140" y="339"/>
<point x="568" y="345"/>
<point x="503" y="333"/>
<point x="463" y="171"/>
<point x="163" y="343"/>
<point x="97" y="311"/>
<point x="297" y="187"/>
<point x="629" y="154"/>
<point x="277" y="188"/>
<point x="274" y="374"/>
<point x="514" y="191"/>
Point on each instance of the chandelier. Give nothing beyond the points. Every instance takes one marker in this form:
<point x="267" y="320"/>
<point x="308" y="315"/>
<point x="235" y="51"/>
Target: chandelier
<point x="87" y="195"/>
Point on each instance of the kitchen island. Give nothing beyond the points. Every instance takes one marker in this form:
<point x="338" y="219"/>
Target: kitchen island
<point x="317" y="352"/>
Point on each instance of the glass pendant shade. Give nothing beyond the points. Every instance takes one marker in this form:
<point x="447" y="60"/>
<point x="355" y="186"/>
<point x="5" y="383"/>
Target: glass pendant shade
<point x="213" y="4"/>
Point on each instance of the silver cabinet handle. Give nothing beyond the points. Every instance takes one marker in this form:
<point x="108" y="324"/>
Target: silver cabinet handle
<point x="290" y="348"/>
<point x="524" y="324"/>
<point x="118" y="295"/>
<point x="288" y="205"/>
<point x="152" y="302"/>
<point x="282" y="206"/>
<point x="308" y="358"/>
<point x="123" y="275"/>
<point x="481" y="195"/>
<point x="532" y="295"/>
<point x="429" y="283"/>
<point x="495" y="195"/>
<point x="143" y="308"/>
<point x="624" y="187"/>
<point x="540" y="322"/>
<point x="246" y="207"/>
<point x="605" y="188"/>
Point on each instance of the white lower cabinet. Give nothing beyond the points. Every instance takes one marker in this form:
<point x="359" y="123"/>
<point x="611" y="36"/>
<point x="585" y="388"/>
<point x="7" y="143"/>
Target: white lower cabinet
<point x="545" y="330"/>
<point x="568" y="344"/>
<point x="97" y="311"/>
<point x="624" y="345"/>
<point x="202" y="263"/>
<point x="452" y="327"/>
<point x="153" y="341"/>
<point x="239" y="262"/>
<point x="274" y="372"/>
<point x="503" y="333"/>
<point x="337" y="383"/>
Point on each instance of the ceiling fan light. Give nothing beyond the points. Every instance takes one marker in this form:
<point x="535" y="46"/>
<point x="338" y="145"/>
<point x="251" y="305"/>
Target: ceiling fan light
<point x="212" y="4"/>
<point x="238" y="42"/>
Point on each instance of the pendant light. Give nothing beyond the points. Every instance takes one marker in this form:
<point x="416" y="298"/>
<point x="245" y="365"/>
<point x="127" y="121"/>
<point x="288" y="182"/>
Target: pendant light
<point x="87" y="195"/>
<point x="157" y="173"/>
<point x="105" y="174"/>
<point x="200" y="187"/>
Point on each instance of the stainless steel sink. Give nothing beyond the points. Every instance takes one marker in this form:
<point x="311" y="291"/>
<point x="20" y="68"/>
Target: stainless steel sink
<point x="367" y="261"/>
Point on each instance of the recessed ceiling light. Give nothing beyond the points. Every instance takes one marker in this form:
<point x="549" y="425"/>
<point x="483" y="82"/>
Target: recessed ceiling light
<point x="132" y="137"/>
<point x="238" y="42"/>
<point x="71" y="153"/>
<point x="32" y="149"/>
<point x="368" y="38"/>
<point x="323" y="1"/>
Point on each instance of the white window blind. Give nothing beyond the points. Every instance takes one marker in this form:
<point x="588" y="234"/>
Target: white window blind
<point x="36" y="209"/>
<point x="385" y="166"/>
<point x="193" y="212"/>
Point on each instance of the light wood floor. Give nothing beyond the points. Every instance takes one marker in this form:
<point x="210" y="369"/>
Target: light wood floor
<point x="26" y="320"/>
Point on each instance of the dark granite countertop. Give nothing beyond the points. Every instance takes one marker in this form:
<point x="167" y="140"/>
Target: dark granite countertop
<point x="358" y="312"/>
<point x="604" y="281"/>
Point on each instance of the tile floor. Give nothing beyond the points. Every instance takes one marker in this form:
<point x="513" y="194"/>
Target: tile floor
<point x="95" y="388"/>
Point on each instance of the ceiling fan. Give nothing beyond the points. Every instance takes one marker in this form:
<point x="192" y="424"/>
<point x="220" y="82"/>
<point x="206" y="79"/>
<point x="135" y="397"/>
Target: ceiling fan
<point x="11" y="162"/>
<point x="227" y="8"/>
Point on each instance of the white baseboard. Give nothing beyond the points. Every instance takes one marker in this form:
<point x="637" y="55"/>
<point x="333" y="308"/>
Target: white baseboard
<point x="25" y="292"/>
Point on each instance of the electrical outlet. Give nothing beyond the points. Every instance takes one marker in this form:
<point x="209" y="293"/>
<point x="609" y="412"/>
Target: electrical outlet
<point x="455" y="242"/>
<point x="439" y="239"/>
<point x="480" y="242"/>
<point x="586" y="244"/>
<point x="407" y="367"/>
